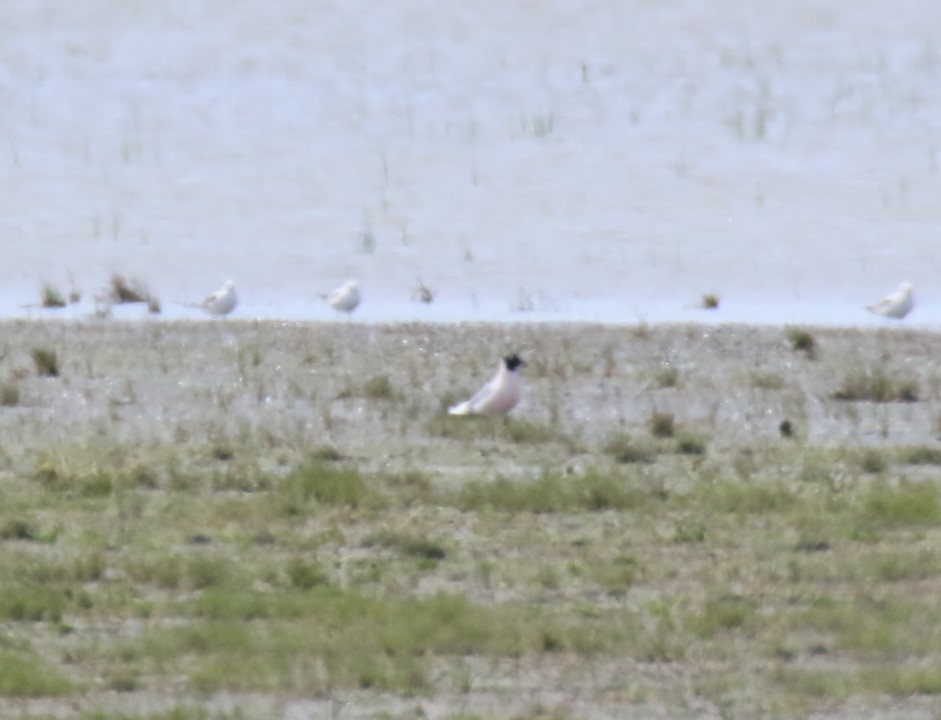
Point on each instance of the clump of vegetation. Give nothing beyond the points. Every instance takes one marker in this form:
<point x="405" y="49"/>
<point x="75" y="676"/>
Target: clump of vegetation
<point x="802" y="341"/>
<point x="9" y="394"/>
<point x="624" y="450"/>
<point x="521" y="430"/>
<point x="325" y="484"/>
<point x="767" y="380"/>
<point x="46" y="362"/>
<point x="709" y="302"/>
<point x="413" y="545"/>
<point x="920" y="455"/>
<point x="661" y="424"/>
<point x="123" y="290"/>
<point x="25" y="675"/>
<point x="689" y="532"/>
<point x="550" y="493"/>
<point x="667" y="376"/>
<point x="422" y="293"/>
<point x="690" y="444"/>
<point x="873" y="462"/>
<point x="378" y="388"/>
<point x="877" y="385"/>
<point x="903" y="505"/>
<point x="50" y="297"/>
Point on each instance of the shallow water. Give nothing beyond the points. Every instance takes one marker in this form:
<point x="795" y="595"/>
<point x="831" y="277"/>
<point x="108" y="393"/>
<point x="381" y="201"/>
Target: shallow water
<point x="589" y="160"/>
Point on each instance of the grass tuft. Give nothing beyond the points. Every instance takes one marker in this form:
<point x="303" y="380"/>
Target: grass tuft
<point x="9" y="394"/>
<point x="877" y="385"/>
<point x="920" y="455"/>
<point x="25" y="675"/>
<point x="378" y="388"/>
<point x="553" y="493"/>
<point x="802" y="341"/>
<point x="620" y="446"/>
<point x="123" y="290"/>
<point x="325" y="484"/>
<point x="661" y="425"/>
<point x="903" y="505"/>
<point x="689" y="444"/>
<point x="50" y="297"/>
<point x="46" y="362"/>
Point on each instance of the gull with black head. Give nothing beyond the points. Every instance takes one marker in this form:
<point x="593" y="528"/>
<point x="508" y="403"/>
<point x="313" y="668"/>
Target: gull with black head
<point x="498" y="396"/>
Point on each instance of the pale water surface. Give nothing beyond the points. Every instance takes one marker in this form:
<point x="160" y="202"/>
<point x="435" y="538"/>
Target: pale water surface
<point x="588" y="159"/>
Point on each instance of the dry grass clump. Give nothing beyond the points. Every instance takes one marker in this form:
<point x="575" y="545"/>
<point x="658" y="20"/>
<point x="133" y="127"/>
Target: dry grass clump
<point x="625" y="450"/>
<point x="128" y="290"/>
<point x="378" y="387"/>
<point x="50" y="297"/>
<point x="662" y="424"/>
<point x="920" y="455"/>
<point x="9" y="394"/>
<point x="709" y="301"/>
<point x="877" y="385"/>
<point x="46" y="362"/>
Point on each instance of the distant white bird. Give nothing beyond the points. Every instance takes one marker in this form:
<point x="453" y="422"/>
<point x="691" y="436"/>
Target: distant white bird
<point x="222" y="301"/>
<point x="345" y="298"/>
<point x="498" y="396"/>
<point x="897" y="305"/>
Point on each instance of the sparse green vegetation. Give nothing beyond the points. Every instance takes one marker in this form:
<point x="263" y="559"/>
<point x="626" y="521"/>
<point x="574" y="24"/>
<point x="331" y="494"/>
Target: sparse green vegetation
<point x="625" y="450"/>
<point x="877" y="385"/>
<point x="323" y="484"/>
<point x="802" y="341"/>
<point x="22" y="674"/>
<point x="373" y="547"/>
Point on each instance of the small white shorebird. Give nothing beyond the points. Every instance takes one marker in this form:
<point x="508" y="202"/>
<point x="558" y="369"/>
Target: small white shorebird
<point x="222" y="301"/>
<point x="498" y="396"/>
<point x="345" y="298"/>
<point x="897" y="305"/>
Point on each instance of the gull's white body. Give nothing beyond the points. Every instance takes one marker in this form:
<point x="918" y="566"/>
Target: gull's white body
<point x="222" y="301"/>
<point x="345" y="298"/>
<point x="497" y="397"/>
<point x="897" y="305"/>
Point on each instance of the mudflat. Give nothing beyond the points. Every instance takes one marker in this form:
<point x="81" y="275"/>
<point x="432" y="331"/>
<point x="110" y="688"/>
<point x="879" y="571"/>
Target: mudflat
<point x="267" y="519"/>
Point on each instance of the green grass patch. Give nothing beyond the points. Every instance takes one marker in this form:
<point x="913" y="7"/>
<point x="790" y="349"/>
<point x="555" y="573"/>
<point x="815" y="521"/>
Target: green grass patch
<point x="625" y="450"/>
<point x="22" y="674"/>
<point x="31" y="603"/>
<point x="325" y="483"/>
<point x="248" y="640"/>
<point x="902" y="505"/>
<point x="551" y="493"/>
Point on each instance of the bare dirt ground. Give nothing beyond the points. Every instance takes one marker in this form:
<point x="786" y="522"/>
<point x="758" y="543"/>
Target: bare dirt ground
<point x="678" y="521"/>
